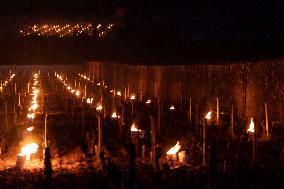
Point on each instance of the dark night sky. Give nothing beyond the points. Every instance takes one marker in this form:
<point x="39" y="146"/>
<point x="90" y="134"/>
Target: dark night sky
<point x="153" y="31"/>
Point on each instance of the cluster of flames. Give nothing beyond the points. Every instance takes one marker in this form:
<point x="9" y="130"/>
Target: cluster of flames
<point x="6" y="82"/>
<point x="66" y="30"/>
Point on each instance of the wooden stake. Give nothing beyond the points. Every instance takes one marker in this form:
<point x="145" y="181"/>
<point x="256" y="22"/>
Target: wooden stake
<point x="14" y="113"/>
<point x="125" y="94"/>
<point x="143" y="153"/>
<point x="153" y="140"/>
<point x="217" y="109"/>
<point x="6" y="113"/>
<point x="196" y="115"/>
<point x="83" y="119"/>
<point x="73" y="107"/>
<point x="45" y="130"/>
<point x="100" y="141"/>
<point x="190" y="122"/>
<point x="132" y="108"/>
<point x="204" y="144"/>
<point x="19" y="100"/>
<point x="159" y="114"/>
<point x="122" y="115"/>
<point x="254" y="147"/>
<point x="128" y="90"/>
<point x="266" y="119"/>
<point x="141" y="94"/>
<point x="232" y="121"/>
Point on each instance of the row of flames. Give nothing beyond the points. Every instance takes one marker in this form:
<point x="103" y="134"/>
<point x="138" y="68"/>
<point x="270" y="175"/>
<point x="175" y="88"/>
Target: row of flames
<point x="118" y="92"/>
<point x="68" y="87"/>
<point x="31" y="148"/>
<point x="84" y="93"/>
<point x="6" y="82"/>
<point x="67" y="30"/>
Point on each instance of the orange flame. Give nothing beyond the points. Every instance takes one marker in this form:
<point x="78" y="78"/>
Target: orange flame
<point x="133" y="128"/>
<point x="28" y="149"/>
<point x="30" y="128"/>
<point x="31" y="116"/>
<point x="208" y="115"/>
<point x="174" y="149"/>
<point x="89" y="100"/>
<point x="251" y="126"/>
<point x="33" y="107"/>
<point x="114" y="115"/>
<point x="99" y="108"/>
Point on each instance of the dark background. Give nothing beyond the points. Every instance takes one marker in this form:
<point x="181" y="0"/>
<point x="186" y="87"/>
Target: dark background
<point x="151" y="32"/>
